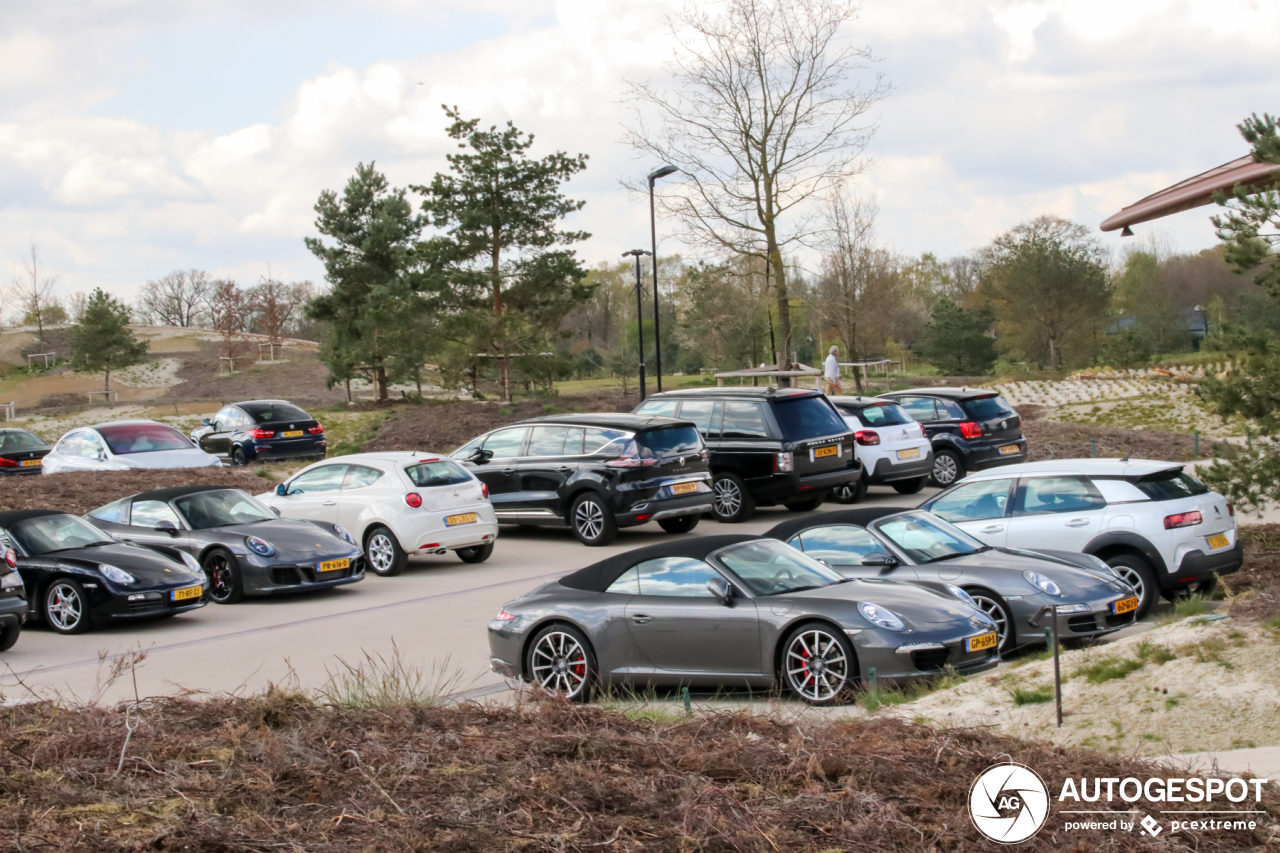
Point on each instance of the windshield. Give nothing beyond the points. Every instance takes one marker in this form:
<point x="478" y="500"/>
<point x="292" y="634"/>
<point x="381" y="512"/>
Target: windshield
<point x="19" y="440"/>
<point x="987" y="408"/>
<point x="772" y="568"/>
<point x="51" y="533"/>
<point x="668" y="441"/>
<point x="276" y="413"/>
<point x="926" y="539"/>
<point x="438" y="473"/>
<point x="883" y="414"/>
<point x="205" y="510"/>
<point x="143" y="438"/>
<point x="1169" y="485"/>
<point x="803" y="418"/>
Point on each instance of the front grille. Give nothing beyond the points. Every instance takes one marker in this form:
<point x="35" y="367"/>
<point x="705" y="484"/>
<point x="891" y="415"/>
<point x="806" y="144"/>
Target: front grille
<point x="152" y="606"/>
<point x="931" y="660"/>
<point x="1082" y="624"/>
<point x="1114" y="621"/>
<point x="286" y="576"/>
<point x="306" y="573"/>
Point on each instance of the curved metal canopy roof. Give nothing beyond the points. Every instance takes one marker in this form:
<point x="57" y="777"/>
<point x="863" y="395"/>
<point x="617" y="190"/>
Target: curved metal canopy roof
<point x="1194" y="192"/>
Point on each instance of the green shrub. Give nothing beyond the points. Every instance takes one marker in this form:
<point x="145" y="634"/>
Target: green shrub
<point x="1031" y="695"/>
<point x="1108" y="669"/>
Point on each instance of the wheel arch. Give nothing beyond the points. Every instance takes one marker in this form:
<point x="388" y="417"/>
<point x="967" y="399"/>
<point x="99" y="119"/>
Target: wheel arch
<point x="578" y="490"/>
<point x="547" y="622"/>
<point x="1124" y="542"/>
<point x="808" y="619"/>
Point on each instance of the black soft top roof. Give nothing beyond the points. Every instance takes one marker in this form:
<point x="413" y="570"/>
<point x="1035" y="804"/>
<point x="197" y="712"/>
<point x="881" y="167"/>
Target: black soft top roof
<point x="14" y="516"/>
<point x="965" y="393"/>
<point x="613" y="420"/>
<point x="166" y="495"/>
<point x="597" y="577"/>
<point x="860" y="517"/>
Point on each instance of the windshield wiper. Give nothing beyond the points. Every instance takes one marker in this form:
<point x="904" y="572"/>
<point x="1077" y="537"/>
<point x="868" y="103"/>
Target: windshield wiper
<point x="959" y="554"/>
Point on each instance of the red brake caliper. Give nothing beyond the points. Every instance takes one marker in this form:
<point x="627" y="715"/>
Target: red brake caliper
<point x="805" y="666"/>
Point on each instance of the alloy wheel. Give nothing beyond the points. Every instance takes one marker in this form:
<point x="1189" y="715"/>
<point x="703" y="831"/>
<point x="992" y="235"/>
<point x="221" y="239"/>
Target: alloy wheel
<point x="381" y="552"/>
<point x="995" y="611"/>
<point x="65" y="608"/>
<point x="588" y="518"/>
<point x="816" y="665"/>
<point x="843" y="493"/>
<point x="1133" y="578"/>
<point x="728" y="498"/>
<point x="944" y="469"/>
<point x="559" y="663"/>
<point x="221" y="583"/>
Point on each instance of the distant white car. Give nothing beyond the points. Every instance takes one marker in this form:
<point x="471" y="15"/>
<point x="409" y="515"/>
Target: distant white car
<point x="1160" y="528"/>
<point x="125" y="445"/>
<point x="394" y="504"/>
<point x="890" y="444"/>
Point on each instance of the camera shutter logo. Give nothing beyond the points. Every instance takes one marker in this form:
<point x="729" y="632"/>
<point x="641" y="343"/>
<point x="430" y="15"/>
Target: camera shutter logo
<point x="1009" y="803"/>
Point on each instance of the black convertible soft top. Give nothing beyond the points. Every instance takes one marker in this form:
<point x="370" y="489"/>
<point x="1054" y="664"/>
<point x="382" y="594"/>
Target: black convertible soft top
<point x="597" y="577"/>
<point x="860" y="517"/>
<point x="166" y="495"/>
<point x="13" y="516"/>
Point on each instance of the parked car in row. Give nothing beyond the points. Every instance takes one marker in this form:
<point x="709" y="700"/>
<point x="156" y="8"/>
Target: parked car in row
<point x="970" y="429"/>
<point x="242" y="545"/>
<point x="392" y="504"/>
<point x="21" y="451"/>
<point x="594" y="472"/>
<point x="1010" y="586"/>
<point x="261" y="431"/>
<point x="77" y="577"/>
<point x="735" y="611"/>
<point x="891" y="445"/>
<point x="1162" y="529"/>
<point x="767" y="446"/>
<point x="124" y="445"/>
<point x="13" y="597"/>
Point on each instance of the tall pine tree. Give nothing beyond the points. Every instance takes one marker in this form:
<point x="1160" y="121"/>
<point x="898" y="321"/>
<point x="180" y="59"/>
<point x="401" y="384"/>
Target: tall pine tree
<point x="102" y="340"/>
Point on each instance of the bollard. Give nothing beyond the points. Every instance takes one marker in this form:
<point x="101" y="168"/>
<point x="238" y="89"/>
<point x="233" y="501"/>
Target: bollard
<point x="1197" y="444"/>
<point x="688" y="706"/>
<point x="1093" y="447"/>
<point x="872" y="676"/>
<point x="1051" y="638"/>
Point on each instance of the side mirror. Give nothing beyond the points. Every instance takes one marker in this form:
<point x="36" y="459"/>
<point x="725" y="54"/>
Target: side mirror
<point x="719" y="587"/>
<point x="879" y="559"/>
<point x="205" y="422"/>
<point x="281" y="490"/>
<point x="480" y="456"/>
<point x="168" y="527"/>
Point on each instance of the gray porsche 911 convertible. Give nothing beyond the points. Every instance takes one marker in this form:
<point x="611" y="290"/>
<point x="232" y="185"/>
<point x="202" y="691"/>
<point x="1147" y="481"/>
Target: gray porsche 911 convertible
<point x="244" y="547"/>
<point x="1011" y="586"/>
<point x="732" y="611"/>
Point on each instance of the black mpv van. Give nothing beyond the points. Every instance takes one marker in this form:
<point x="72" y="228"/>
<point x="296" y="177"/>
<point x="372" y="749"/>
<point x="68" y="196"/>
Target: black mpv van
<point x="768" y="445"/>
<point x="594" y="472"/>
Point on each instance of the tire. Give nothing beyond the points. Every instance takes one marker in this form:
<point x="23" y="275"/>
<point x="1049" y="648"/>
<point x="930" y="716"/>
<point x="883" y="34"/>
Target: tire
<point x="382" y="552"/>
<point x="829" y="682"/>
<point x="997" y="608"/>
<point x="1137" y="573"/>
<point x="65" y="607"/>
<point x="10" y="637"/>
<point x="733" y="503"/>
<point x="909" y="487"/>
<point x="238" y="457"/>
<point x="475" y="554"/>
<point x="592" y="521"/>
<point x="226" y="582"/>
<point x="807" y="505"/>
<point x="947" y="468"/>
<point x="560" y="660"/>
<point x="680" y="524"/>
<point x="849" y="493"/>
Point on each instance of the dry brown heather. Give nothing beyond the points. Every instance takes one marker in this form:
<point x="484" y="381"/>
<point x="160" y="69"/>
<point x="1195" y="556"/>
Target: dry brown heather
<point x="1055" y="440"/>
<point x="79" y="493"/>
<point x="278" y="772"/>
<point x="1255" y="589"/>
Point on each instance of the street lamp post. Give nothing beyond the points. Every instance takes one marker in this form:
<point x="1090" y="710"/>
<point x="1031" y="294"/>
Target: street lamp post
<point x="661" y="172"/>
<point x="639" y="253"/>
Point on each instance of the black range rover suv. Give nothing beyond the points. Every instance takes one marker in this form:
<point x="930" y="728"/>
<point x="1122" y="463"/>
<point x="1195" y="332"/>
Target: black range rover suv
<point x="594" y="472"/>
<point x="768" y="445"/>
<point x="970" y="429"/>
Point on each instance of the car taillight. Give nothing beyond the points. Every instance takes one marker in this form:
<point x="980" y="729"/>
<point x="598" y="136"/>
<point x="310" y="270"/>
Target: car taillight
<point x="11" y="558"/>
<point x="503" y="616"/>
<point x="630" y="458"/>
<point x="784" y="461"/>
<point x="261" y="433"/>
<point x="484" y="490"/>
<point x="923" y="434"/>
<point x="316" y="430"/>
<point x="969" y="429"/>
<point x="867" y="438"/>
<point x="413" y="499"/>
<point x="1182" y="519"/>
<point x="1231" y="509"/>
<point x="8" y="463"/>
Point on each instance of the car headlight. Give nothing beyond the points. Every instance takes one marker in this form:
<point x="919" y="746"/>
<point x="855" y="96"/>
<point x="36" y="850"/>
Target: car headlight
<point x="191" y="563"/>
<point x="881" y="617"/>
<point x="1042" y="583"/>
<point x="343" y="534"/>
<point x="13" y="580"/>
<point x="115" y="575"/>
<point x="961" y="594"/>
<point x="259" y="546"/>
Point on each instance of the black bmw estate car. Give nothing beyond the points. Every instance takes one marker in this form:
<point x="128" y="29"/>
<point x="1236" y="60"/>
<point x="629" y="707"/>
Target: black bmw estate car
<point x="21" y="451"/>
<point x="261" y="430"/>
<point x="594" y="472"/>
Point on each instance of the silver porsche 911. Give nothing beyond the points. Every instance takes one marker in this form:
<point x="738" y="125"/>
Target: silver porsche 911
<point x="733" y="611"/>
<point x="1011" y="586"/>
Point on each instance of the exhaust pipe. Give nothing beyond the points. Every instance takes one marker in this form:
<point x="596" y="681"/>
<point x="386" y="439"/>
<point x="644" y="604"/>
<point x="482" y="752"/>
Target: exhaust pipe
<point x="441" y="551"/>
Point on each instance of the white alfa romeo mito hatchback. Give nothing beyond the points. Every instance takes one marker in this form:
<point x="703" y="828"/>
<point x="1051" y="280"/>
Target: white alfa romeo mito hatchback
<point x="394" y="504"/>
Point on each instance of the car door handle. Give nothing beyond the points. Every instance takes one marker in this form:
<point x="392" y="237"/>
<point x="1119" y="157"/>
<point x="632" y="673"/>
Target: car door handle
<point x="641" y="618"/>
<point x="994" y="528"/>
<point x="565" y="470"/>
<point x="330" y="503"/>
<point x="1078" y="522"/>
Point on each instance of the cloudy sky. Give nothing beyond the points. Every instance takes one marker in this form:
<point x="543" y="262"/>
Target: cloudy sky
<point x="140" y="136"/>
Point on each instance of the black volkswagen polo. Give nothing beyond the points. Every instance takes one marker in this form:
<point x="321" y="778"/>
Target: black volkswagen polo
<point x="77" y="577"/>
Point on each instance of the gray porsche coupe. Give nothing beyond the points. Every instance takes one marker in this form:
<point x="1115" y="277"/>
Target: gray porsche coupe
<point x="1011" y="586"/>
<point x="243" y="546"/>
<point x="732" y="611"/>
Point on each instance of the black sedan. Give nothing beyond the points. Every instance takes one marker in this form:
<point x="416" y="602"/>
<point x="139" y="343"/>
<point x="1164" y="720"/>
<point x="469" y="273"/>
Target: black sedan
<point x="244" y="547"/>
<point x="261" y="431"/>
<point x="733" y="611"/>
<point x="77" y="577"/>
<point x="21" y="452"/>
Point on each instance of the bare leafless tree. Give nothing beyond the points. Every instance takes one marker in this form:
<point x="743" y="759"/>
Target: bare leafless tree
<point x="765" y="118"/>
<point x="230" y="310"/>
<point x="180" y="298"/>
<point x="76" y="304"/>
<point x="32" y="291"/>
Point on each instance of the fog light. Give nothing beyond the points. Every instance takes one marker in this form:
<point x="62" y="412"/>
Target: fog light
<point x="137" y="597"/>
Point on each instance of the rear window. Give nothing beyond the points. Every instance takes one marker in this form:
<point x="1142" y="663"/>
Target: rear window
<point x="808" y="417"/>
<point x="438" y="473"/>
<point x="277" y="413"/>
<point x="669" y="441"/>
<point x="19" y="440"/>
<point x="1171" y="485"/>
<point x="143" y="438"/>
<point x="987" y="408"/>
<point x="882" y="415"/>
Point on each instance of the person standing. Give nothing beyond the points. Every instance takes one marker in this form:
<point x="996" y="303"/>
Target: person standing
<point x="831" y="373"/>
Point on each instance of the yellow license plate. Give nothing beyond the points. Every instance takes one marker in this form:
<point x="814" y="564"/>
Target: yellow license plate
<point x="980" y="642"/>
<point x="824" y="452"/>
<point x="184" y="594"/>
<point x="1219" y="540"/>
<point x="464" y="518"/>
<point x="27" y="463"/>
<point x="332" y="565"/>
<point x="909" y="454"/>
<point x="293" y="433"/>
<point x="683" y="488"/>
<point x="1124" y="605"/>
<point x="1008" y="448"/>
